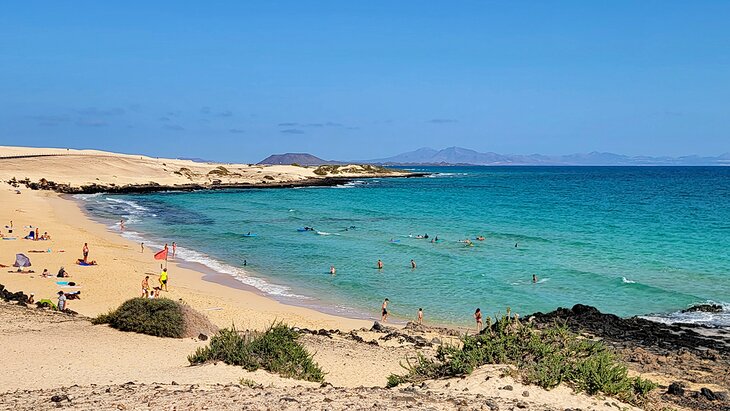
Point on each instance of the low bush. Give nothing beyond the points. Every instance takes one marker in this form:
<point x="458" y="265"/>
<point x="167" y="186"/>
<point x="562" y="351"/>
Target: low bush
<point x="159" y="317"/>
<point x="276" y="350"/>
<point x="545" y="358"/>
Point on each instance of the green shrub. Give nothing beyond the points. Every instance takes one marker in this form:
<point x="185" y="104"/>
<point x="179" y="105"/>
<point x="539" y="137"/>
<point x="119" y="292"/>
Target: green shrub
<point x="159" y="317"/>
<point x="545" y="358"/>
<point x="327" y="169"/>
<point x="276" y="350"/>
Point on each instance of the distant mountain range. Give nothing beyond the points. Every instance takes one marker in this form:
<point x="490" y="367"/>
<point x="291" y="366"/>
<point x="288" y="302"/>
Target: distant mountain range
<point x="465" y="156"/>
<point x="302" y="159"/>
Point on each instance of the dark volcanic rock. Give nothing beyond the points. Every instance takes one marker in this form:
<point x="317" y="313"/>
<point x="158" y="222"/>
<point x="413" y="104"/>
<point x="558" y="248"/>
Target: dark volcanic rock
<point x="705" y="308"/>
<point x="675" y="388"/>
<point x="635" y="331"/>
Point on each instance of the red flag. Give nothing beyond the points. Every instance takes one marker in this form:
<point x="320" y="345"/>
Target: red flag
<point x="162" y="255"/>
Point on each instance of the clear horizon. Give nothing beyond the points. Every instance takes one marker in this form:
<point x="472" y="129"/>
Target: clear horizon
<point x="238" y="82"/>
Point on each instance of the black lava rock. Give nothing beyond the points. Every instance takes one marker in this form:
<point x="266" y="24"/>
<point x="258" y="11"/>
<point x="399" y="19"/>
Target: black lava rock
<point x="675" y="388"/>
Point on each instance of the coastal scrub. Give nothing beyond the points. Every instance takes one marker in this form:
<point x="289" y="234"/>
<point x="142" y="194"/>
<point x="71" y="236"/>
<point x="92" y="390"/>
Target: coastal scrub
<point x="276" y="350"/>
<point x="545" y="358"/>
<point x="159" y="317"/>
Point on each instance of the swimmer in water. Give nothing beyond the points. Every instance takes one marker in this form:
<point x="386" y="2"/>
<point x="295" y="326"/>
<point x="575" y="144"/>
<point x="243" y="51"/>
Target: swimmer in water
<point x="534" y="279"/>
<point x="333" y="270"/>
<point x="413" y="265"/>
<point x="380" y="265"/>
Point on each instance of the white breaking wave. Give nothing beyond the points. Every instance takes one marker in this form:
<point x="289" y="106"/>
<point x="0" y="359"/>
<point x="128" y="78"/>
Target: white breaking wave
<point x="721" y="319"/>
<point x="239" y="274"/>
<point x="627" y="281"/>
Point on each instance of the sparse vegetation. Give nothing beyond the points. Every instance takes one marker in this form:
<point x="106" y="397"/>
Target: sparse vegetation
<point x="355" y="169"/>
<point x="159" y="317"/>
<point x="545" y="358"/>
<point x="276" y="350"/>
<point x="250" y="383"/>
<point x="324" y="170"/>
<point x="219" y="171"/>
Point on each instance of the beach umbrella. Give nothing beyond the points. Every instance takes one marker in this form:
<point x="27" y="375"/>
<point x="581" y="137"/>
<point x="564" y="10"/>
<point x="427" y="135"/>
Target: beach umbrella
<point x="21" y="260"/>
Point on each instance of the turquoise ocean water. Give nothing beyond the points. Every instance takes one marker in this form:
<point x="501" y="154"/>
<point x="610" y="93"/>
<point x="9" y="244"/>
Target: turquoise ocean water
<point x="629" y="240"/>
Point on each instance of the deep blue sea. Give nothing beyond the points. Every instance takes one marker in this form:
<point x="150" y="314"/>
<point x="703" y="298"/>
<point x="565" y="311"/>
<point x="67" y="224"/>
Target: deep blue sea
<point x="628" y="240"/>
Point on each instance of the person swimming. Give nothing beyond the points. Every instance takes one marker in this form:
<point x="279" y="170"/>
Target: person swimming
<point x="380" y="265"/>
<point x="534" y="279"/>
<point x="333" y="270"/>
<point x="413" y="264"/>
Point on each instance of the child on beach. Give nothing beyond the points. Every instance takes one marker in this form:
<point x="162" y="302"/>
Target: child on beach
<point x="478" y="318"/>
<point x="420" y="316"/>
<point x="384" y="312"/>
<point x="163" y="279"/>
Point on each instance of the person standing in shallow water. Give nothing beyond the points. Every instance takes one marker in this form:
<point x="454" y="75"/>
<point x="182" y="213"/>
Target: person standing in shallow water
<point x="420" y="316"/>
<point x="534" y="278"/>
<point x="333" y="270"/>
<point x="174" y="249"/>
<point x="413" y="264"/>
<point x="478" y="318"/>
<point x="380" y="265"/>
<point x="384" y="311"/>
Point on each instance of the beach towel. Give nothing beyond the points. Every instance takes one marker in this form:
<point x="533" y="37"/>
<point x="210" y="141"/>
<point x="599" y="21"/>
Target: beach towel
<point x="46" y="303"/>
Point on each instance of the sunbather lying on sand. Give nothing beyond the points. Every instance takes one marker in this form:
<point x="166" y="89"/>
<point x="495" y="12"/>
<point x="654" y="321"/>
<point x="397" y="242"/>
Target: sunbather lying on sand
<point x="80" y="261"/>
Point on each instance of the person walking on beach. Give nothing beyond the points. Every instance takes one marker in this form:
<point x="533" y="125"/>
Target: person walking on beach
<point x="146" y="286"/>
<point x="478" y="318"/>
<point x="413" y="265"/>
<point x="384" y="311"/>
<point x="85" y="250"/>
<point x="174" y="249"/>
<point x="36" y="237"/>
<point x="420" y="316"/>
<point x="333" y="270"/>
<point x="142" y="245"/>
<point x="163" y="279"/>
<point x="380" y="265"/>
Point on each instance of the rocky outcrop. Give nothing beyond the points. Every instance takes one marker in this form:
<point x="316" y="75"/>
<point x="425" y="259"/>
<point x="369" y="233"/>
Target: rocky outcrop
<point x="704" y="308"/>
<point x="635" y="331"/>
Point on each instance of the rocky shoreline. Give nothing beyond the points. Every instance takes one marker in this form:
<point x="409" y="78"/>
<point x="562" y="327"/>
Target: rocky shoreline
<point x="685" y="358"/>
<point x="155" y="187"/>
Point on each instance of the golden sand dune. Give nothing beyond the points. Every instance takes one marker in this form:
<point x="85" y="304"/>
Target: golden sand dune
<point x="105" y="171"/>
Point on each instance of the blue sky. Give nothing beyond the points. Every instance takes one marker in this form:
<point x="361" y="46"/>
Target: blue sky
<point x="237" y="81"/>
